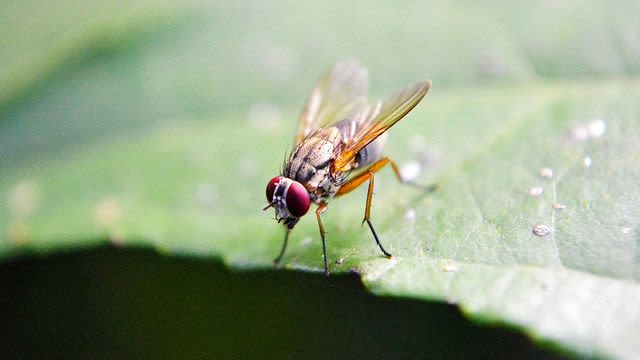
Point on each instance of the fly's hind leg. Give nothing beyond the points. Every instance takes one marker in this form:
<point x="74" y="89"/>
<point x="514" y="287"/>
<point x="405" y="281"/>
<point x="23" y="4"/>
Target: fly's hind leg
<point x="396" y="170"/>
<point x="358" y="180"/>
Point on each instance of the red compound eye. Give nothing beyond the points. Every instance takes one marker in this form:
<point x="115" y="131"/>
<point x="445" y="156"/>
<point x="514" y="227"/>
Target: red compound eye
<point x="298" y="200"/>
<point x="271" y="187"/>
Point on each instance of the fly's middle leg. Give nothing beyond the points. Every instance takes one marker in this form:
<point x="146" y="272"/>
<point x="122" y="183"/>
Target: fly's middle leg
<point x="359" y="180"/>
<point x="368" y="175"/>
<point x="322" y="208"/>
<point x="367" y="214"/>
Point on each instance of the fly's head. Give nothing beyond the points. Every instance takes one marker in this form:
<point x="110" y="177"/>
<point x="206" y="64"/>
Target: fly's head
<point x="289" y="198"/>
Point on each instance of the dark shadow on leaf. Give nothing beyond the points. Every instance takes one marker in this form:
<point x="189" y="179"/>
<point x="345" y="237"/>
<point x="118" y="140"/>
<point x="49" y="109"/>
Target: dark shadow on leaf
<point x="137" y="304"/>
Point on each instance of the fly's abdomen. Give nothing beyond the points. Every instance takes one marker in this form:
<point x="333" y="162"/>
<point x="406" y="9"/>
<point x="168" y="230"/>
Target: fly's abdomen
<point x="372" y="152"/>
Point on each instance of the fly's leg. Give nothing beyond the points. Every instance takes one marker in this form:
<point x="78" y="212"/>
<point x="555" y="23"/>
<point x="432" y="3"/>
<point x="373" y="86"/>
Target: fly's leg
<point x="364" y="176"/>
<point x="359" y="180"/>
<point x="396" y="171"/>
<point x="276" y="261"/>
<point x="322" y="208"/>
<point x="367" y="174"/>
<point x="367" y="213"/>
<point x="354" y="183"/>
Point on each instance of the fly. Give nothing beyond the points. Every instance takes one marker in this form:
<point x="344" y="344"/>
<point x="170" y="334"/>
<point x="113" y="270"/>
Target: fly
<point x="338" y="147"/>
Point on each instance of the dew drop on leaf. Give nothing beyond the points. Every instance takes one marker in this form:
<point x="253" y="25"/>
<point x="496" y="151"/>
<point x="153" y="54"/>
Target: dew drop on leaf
<point x="410" y="215"/>
<point x="593" y="130"/>
<point x="596" y="128"/>
<point x="410" y="171"/>
<point x="449" y="266"/>
<point x="541" y="230"/>
<point x="536" y="191"/>
<point x="580" y="133"/>
<point x="546" y="173"/>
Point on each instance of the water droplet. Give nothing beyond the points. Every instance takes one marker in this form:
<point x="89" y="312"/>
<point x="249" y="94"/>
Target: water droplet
<point x="559" y="206"/>
<point x="410" y="215"/>
<point x="580" y="133"/>
<point x="536" y="191"/>
<point x="545" y="173"/>
<point x="449" y="266"/>
<point x="410" y="171"/>
<point x="586" y="162"/>
<point x="593" y="130"/>
<point x="596" y="128"/>
<point x="541" y="230"/>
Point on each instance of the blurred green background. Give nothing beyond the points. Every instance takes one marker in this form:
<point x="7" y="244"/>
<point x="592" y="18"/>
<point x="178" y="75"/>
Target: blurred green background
<point x="100" y="99"/>
<point x="74" y="72"/>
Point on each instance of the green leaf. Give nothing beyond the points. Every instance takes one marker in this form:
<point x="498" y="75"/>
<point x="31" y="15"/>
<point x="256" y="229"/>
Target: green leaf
<point x="169" y="144"/>
<point x="197" y="188"/>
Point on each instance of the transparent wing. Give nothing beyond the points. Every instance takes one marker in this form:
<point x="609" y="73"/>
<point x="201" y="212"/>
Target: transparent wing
<point x="380" y="118"/>
<point x="341" y="92"/>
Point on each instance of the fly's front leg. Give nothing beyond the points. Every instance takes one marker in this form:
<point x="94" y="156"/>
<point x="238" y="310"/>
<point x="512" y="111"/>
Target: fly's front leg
<point x="276" y="261"/>
<point x="322" y="208"/>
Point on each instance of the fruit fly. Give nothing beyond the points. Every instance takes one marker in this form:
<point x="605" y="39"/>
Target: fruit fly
<point x="338" y="147"/>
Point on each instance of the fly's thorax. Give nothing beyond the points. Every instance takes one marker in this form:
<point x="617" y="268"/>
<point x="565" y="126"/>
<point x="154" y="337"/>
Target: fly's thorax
<point x="310" y="162"/>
